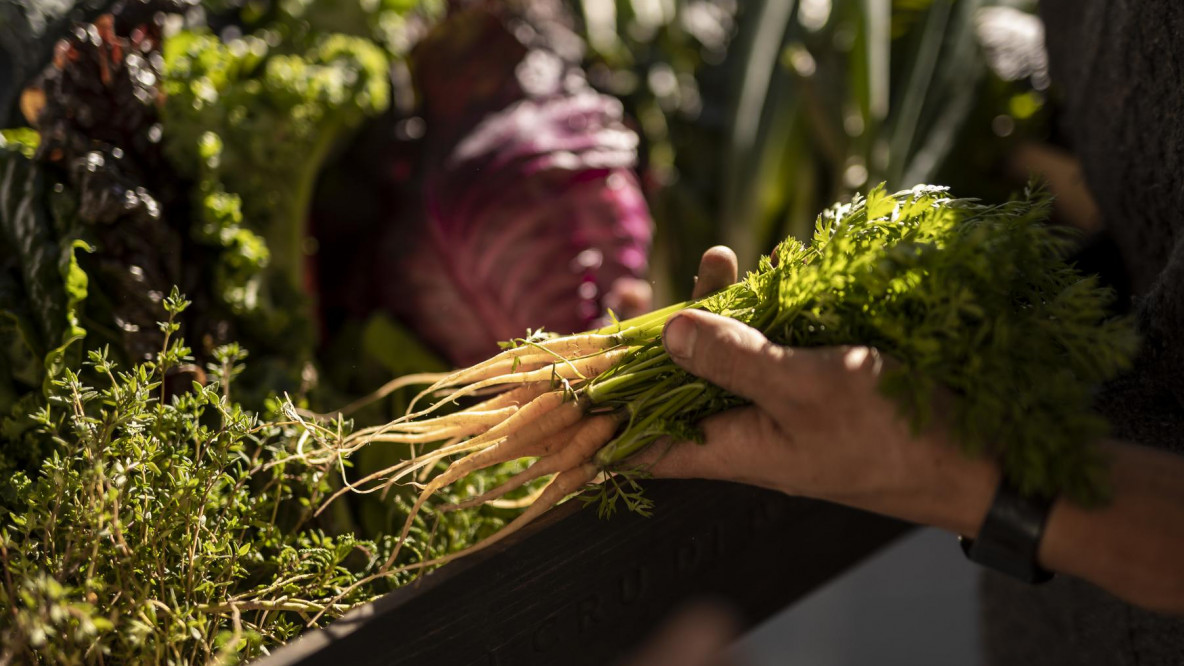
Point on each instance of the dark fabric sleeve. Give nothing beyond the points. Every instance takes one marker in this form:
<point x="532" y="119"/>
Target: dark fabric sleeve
<point x="1118" y="69"/>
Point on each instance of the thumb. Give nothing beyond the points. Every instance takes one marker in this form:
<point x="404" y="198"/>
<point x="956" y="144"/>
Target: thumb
<point x="727" y="353"/>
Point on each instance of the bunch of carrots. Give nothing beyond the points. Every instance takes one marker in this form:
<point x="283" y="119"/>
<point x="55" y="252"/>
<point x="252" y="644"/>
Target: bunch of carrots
<point x="946" y="286"/>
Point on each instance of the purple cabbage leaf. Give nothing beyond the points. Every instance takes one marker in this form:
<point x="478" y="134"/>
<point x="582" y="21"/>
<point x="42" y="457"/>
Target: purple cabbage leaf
<point x="530" y="214"/>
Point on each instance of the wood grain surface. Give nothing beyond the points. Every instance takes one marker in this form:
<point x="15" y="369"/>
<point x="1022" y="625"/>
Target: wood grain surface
<point x="575" y="589"/>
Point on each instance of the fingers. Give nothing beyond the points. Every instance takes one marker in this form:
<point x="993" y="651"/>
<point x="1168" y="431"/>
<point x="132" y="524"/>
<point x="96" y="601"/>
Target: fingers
<point x="739" y="359"/>
<point x="629" y="297"/>
<point x="717" y="269"/>
<point x="735" y="445"/>
<point x="733" y="356"/>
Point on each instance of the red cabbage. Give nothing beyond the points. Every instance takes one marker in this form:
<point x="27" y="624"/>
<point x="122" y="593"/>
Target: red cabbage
<point x="531" y="215"/>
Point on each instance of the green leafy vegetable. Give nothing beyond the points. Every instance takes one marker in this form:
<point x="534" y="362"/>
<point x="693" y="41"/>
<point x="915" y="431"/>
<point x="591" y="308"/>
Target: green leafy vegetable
<point x="252" y="125"/>
<point x="976" y="299"/>
<point x="179" y="530"/>
<point x="46" y="266"/>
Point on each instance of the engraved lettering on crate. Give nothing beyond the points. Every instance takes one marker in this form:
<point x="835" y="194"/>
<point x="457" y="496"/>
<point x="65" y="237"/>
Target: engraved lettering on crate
<point x="590" y="612"/>
<point x="688" y="556"/>
<point x="544" y="635"/>
<point x="633" y="584"/>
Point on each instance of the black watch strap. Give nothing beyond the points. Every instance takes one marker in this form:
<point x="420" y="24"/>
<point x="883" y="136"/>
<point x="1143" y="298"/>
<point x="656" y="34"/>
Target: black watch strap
<point x="1010" y="535"/>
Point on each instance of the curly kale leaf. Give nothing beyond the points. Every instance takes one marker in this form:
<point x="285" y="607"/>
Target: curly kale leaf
<point x="302" y="22"/>
<point x="253" y="126"/>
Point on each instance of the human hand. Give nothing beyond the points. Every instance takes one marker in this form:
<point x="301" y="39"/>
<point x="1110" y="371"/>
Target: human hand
<point x="818" y="425"/>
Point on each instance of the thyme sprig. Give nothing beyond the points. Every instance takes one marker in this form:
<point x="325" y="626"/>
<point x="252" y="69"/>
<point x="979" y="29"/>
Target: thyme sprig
<point x="178" y="527"/>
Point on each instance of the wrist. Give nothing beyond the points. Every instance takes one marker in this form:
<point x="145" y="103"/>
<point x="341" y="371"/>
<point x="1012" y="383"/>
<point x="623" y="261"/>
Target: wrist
<point x="940" y="486"/>
<point x="1011" y="534"/>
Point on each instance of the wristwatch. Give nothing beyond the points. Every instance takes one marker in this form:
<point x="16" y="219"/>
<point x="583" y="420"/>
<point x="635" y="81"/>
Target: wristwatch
<point x="1010" y="535"/>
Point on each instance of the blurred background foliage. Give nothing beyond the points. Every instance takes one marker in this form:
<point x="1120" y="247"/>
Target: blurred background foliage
<point x="753" y="115"/>
<point x="758" y="114"/>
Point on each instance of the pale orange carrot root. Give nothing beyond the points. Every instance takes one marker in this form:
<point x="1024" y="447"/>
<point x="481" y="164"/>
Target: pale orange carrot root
<point x="565" y="483"/>
<point x="476" y="424"/>
<point x="524" y="442"/>
<point x="489" y="369"/>
<point x="504" y="369"/>
<point x="537" y="415"/>
<point x="498" y="404"/>
<point x="578" y="369"/>
<point x="546" y="446"/>
<point x="528" y="439"/>
<point x="532" y="411"/>
<point x="570" y="346"/>
<point x="554" y="349"/>
<point x="424" y="437"/>
<point x="518" y="503"/>
<point x="593" y="433"/>
<point x="441" y="422"/>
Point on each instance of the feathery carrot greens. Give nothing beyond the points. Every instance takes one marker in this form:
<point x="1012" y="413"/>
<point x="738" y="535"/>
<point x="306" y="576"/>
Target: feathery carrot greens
<point x="975" y="298"/>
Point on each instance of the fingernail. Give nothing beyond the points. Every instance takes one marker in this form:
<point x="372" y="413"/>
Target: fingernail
<point x="679" y="336"/>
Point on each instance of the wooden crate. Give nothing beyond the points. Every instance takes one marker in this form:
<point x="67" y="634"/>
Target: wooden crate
<point x="575" y="589"/>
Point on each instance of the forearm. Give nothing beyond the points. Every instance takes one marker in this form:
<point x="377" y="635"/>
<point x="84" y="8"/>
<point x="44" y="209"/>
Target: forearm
<point x="1134" y="546"/>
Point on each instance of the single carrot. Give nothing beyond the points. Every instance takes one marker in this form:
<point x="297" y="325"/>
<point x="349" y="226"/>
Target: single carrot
<point x="524" y="363"/>
<point x="548" y="351"/>
<point x="519" y="503"/>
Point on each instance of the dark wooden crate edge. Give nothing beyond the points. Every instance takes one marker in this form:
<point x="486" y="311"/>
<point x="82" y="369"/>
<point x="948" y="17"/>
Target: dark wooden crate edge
<point x="575" y="589"/>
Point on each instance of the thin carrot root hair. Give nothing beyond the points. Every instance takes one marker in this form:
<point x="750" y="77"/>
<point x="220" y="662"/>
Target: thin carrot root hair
<point x="564" y="484"/>
<point x="378" y="394"/>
